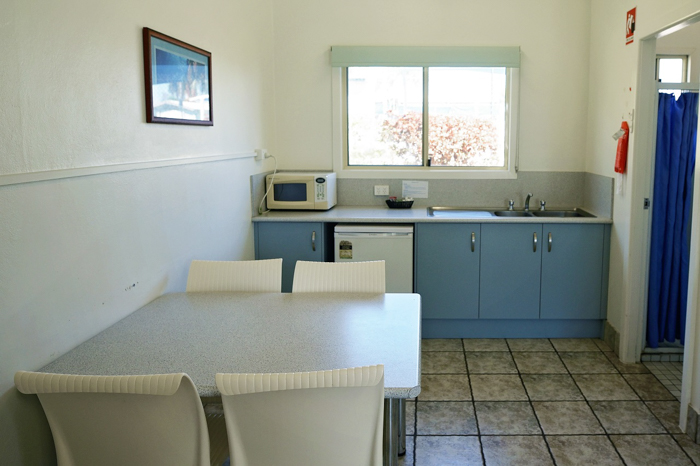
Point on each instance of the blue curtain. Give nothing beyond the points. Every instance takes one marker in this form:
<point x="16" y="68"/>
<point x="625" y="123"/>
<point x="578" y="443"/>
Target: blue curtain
<point x="670" y="224"/>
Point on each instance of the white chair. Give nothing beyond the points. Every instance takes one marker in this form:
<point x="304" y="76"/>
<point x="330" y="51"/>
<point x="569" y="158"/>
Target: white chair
<point x="347" y="277"/>
<point x="118" y="420"/>
<point x="305" y="418"/>
<point x="263" y="276"/>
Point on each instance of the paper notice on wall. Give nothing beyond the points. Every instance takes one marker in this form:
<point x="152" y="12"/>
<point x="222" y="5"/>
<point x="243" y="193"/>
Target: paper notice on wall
<point x="415" y="189"/>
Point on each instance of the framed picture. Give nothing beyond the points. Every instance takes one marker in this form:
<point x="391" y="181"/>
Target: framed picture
<point x="178" y="81"/>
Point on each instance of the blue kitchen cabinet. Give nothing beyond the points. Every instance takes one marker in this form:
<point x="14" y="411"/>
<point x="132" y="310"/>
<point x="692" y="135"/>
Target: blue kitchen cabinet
<point x="292" y="241"/>
<point x="572" y="271"/>
<point x="447" y="261"/>
<point x="511" y="261"/>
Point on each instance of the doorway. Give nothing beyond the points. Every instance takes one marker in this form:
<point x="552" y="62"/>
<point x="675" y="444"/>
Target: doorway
<point x="680" y="39"/>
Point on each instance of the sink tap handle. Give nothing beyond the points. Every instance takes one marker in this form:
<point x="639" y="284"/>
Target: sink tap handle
<point x="542" y="205"/>
<point x="511" y="203"/>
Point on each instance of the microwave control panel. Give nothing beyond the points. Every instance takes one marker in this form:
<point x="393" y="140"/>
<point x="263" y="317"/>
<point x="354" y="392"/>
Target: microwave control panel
<point x="320" y="189"/>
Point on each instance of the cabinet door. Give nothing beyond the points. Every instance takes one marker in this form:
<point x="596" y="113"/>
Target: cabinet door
<point x="572" y="267"/>
<point x="292" y="242"/>
<point x="511" y="257"/>
<point x="447" y="270"/>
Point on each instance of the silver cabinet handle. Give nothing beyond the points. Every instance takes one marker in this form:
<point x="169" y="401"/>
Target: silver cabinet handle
<point x="549" y="242"/>
<point x="534" y="242"/>
<point x="313" y="240"/>
<point x="473" y="240"/>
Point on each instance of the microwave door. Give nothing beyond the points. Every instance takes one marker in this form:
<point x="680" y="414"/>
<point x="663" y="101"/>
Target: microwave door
<point x="292" y="194"/>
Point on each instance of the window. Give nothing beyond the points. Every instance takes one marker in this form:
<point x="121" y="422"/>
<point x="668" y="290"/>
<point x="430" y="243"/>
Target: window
<point x="465" y="118"/>
<point x="428" y="109"/>
<point x="672" y="68"/>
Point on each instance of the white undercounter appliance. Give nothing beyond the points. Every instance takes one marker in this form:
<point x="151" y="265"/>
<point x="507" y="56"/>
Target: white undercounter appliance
<point x="372" y="242"/>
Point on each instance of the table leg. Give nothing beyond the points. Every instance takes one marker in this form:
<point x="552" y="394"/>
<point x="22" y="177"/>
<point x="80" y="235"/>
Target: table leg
<point x="402" y="426"/>
<point x="391" y="432"/>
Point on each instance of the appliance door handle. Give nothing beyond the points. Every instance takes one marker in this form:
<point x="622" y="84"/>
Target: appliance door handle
<point x="313" y="241"/>
<point x="473" y="240"/>
<point x="549" y="242"/>
<point x="534" y="242"/>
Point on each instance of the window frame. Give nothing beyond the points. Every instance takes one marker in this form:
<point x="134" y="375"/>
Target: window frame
<point x="686" y="63"/>
<point x="340" y="138"/>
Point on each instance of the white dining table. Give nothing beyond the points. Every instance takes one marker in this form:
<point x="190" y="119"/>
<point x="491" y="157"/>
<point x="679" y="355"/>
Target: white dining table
<point x="205" y="333"/>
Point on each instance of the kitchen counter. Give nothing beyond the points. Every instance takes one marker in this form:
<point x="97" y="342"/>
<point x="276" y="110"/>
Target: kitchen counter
<point x="380" y="214"/>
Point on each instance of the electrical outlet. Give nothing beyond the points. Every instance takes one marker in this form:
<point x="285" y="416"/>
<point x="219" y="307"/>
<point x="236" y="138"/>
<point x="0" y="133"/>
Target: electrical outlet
<point x="380" y="190"/>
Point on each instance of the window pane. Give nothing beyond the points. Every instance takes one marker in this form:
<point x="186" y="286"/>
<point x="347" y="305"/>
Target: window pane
<point x="671" y="70"/>
<point x="385" y="122"/>
<point x="467" y="117"/>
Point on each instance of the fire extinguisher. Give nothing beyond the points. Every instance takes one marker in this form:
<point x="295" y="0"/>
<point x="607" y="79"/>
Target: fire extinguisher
<point x="622" y="137"/>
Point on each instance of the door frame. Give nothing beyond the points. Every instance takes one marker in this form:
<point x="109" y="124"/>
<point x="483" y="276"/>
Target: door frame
<point x="633" y="336"/>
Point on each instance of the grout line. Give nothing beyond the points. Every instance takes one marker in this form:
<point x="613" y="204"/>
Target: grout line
<point x="473" y="402"/>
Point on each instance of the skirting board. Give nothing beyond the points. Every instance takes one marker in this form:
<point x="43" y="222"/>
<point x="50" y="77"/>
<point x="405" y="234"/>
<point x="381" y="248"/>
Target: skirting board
<point x="477" y="328"/>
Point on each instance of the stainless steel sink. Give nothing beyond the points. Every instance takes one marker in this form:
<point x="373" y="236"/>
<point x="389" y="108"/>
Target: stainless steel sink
<point x="512" y="213"/>
<point x="562" y="213"/>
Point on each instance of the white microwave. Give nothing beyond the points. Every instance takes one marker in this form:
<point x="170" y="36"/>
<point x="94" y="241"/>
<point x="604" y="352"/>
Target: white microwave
<point x="301" y="191"/>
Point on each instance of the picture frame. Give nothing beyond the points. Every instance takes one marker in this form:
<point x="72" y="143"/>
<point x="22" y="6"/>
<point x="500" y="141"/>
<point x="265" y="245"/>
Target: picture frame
<point x="178" y="81"/>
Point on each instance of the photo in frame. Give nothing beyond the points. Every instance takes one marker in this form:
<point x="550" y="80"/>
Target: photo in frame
<point x="178" y="81"/>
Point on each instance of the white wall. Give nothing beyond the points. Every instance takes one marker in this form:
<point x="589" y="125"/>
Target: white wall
<point x="553" y="36"/>
<point x="72" y="249"/>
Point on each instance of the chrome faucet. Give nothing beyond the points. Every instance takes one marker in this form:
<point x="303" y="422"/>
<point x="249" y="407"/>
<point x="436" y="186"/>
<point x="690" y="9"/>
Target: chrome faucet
<point x="527" y="202"/>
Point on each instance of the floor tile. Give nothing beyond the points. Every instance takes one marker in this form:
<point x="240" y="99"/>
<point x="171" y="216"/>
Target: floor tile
<point x="604" y="387"/>
<point x="445" y="418"/>
<point x="626" y="417"/>
<point x="583" y="450"/>
<point x="551" y="387"/>
<point x="496" y="387"/>
<point x="636" y="368"/>
<point x="668" y="412"/>
<point x="444" y="388"/>
<point x="648" y="388"/>
<point x="514" y="450"/>
<point x="643" y="450"/>
<point x="602" y="345"/>
<point x="587" y="363"/>
<point x="566" y="418"/>
<point x="574" y="344"/>
<point x="484" y="344"/>
<point x="529" y="344"/>
<point x="691" y="448"/>
<point x="506" y="418"/>
<point x="443" y="363"/>
<point x="441" y="344"/>
<point x="447" y="451"/>
<point x="410" y="417"/>
<point x="539" y="363"/>
<point x="407" y="459"/>
<point x="490" y="363"/>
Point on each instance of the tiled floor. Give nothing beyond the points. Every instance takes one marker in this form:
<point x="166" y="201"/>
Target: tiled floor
<point x="538" y="402"/>
<point x="670" y="374"/>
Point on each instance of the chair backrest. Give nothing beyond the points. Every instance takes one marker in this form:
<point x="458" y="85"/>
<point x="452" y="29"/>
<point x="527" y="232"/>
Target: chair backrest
<point x="305" y="418"/>
<point x="263" y="276"/>
<point x="348" y="277"/>
<point x="119" y="420"/>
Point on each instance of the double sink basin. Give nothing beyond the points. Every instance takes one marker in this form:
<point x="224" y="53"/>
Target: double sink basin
<point x="464" y="212"/>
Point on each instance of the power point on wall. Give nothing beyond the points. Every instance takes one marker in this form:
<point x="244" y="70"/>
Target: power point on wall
<point x="261" y="154"/>
<point x="381" y="190"/>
